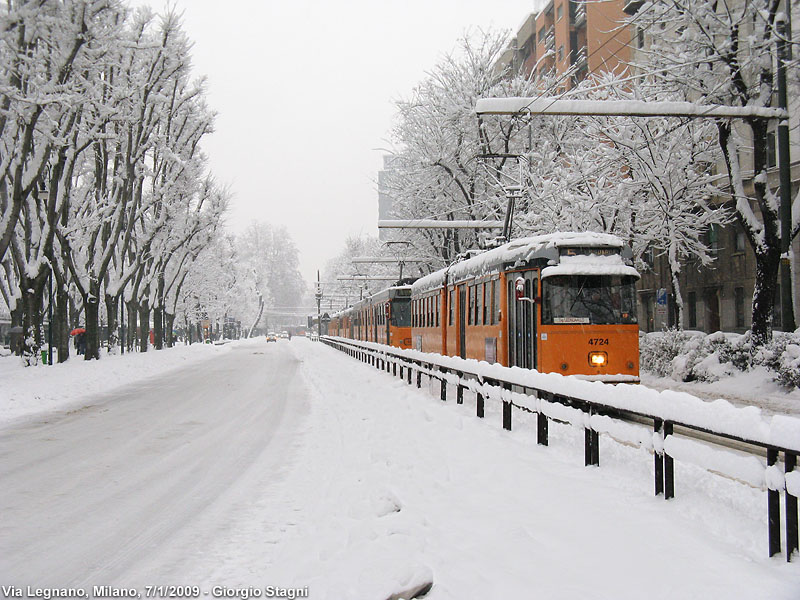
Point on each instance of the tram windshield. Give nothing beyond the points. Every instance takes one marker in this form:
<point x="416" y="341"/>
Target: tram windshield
<point x="401" y="312"/>
<point x="588" y="299"/>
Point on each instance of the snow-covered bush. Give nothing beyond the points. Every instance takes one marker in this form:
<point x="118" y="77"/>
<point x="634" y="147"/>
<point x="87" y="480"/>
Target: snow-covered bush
<point x="694" y="356"/>
<point x="782" y="355"/>
<point x="658" y="350"/>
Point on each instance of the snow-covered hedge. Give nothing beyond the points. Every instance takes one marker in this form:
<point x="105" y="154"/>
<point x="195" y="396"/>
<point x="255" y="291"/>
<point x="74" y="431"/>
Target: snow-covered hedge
<point x="695" y="356"/>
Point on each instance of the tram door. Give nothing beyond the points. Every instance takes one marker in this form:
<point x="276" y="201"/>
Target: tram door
<point x="522" y="321"/>
<point x="462" y="321"/>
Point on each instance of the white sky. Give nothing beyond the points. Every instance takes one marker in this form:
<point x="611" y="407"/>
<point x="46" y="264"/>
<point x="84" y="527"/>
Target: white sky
<point x="305" y="89"/>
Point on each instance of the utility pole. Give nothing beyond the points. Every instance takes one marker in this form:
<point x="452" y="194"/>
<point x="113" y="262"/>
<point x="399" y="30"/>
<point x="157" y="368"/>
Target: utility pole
<point x="50" y="319"/>
<point x="318" y="296"/>
<point x="784" y="169"/>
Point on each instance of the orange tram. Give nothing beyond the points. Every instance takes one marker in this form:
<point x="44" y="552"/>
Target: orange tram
<point x="384" y="318"/>
<point x="562" y="302"/>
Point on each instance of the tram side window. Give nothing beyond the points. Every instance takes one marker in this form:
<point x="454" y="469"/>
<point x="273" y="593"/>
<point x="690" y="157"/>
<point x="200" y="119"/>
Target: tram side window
<point x="492" y="302"/>
<point x="428" y="311"/>
<point x="450" y="307"/>
<point x="471" y="312"/>
<point x="496" y="300"/>
<point x="479" y="305"/>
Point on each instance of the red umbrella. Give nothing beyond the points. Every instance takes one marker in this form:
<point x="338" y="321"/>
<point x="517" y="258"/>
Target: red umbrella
<point x="77" y="330"/>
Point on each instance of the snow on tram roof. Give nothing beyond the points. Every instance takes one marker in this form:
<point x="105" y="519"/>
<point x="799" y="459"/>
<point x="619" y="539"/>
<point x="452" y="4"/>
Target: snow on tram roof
<point x="518" y="251"/>
<point x="385" y="292"/>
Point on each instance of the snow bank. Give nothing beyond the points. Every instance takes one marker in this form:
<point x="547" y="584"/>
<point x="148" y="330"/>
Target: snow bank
<point x="27" y="391"/>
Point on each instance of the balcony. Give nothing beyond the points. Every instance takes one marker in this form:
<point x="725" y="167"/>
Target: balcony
<point x="632" y="7"/>
<point x="580" y="58"/>
<point x="550" y="39"/>
<point x="579" y="15"/>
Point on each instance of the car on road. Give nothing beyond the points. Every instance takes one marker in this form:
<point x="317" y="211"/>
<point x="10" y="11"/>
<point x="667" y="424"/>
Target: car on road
<point x="271" y="337"/>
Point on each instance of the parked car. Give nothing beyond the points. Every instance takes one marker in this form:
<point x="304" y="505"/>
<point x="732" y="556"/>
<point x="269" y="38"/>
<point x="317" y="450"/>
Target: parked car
<point x="271" y="337"/>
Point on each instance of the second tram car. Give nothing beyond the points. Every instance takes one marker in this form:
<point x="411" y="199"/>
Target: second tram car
<point x="563" y="302"/>
<point x="384" y="318"/>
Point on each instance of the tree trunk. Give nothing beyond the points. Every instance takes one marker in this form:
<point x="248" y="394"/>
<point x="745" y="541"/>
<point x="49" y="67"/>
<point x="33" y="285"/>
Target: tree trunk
<point x="133" y="319"/>
<point x="17" y="316"/>
<point x="170" y="322"/>
<point x="112" y="304"/>
<point x="158" y="314"/>
<point x="32" y="321"/>
<point x="144" y="326"/>
<point x="675" y="271"/>
<point x="61" y="318"/>
<point x="158" y="327"/>
<point x="91" y="308"/>
<point x="767" y="264"/>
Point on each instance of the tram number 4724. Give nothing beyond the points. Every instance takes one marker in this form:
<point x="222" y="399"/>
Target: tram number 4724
<point x="598" y="342"/>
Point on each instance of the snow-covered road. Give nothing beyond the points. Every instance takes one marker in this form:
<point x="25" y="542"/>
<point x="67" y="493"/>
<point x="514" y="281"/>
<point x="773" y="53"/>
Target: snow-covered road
<point x="293" y="465"/>
<point x="118" y="490"/>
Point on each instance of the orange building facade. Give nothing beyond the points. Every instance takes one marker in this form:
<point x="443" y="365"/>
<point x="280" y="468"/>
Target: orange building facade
<point x="572" y="39"/>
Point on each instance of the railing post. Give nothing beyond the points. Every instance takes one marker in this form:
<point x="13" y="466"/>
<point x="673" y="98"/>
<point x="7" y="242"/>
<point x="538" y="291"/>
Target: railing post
<point x="669" y="467"/>
<point x="459" y="389"/>
<point x="408" y="373"/>
<point x="790" y="462"/>
<point x="591" y="444"/>
<point x="419" y="374"/>
<point x="479" y="405"/>
<point x="541" y="423"/>
<point x="394" y="368"/>
<point x="773" y="509"/>
<point x="507" y="409"/>
<point x="658" y="458"/>
<point x="444" y="384"/>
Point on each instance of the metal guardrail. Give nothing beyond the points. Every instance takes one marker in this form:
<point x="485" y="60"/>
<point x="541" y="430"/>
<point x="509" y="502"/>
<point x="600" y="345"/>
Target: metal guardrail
<point x="549" y="405"/>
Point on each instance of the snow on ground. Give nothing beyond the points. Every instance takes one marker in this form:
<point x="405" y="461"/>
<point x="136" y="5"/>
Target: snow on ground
<point x="27" y="391"/>
<point x="754" y="388"/>
<point x="392" y="488"/>
<point x="388" y="488"/>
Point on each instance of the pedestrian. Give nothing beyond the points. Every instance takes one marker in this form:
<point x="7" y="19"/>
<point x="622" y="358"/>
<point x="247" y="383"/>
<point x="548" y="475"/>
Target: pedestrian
<point x="80" y="343"/>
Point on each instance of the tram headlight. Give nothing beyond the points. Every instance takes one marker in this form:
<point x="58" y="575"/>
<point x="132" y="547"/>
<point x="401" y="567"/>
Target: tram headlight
<point x="598" y="359"/>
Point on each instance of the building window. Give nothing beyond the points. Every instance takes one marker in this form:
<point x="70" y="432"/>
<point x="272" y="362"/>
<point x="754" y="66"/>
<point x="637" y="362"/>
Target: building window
<point x="772" y="154"/>
<point x="640" y="37"/>
<point x="542" y="33"/>
<point x="649" y="258"/>
<point x="738" y="297"/>
<point x="692" y="310"/>
<point x="713" y="239"/>
<point x="560" y="53"/>
<point x="739" y="240"/>
<point x="559" y="12"/>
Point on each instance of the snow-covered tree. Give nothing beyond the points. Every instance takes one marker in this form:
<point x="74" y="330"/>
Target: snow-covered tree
<point x="437" y="169"/>
<point x="723" y="53"/>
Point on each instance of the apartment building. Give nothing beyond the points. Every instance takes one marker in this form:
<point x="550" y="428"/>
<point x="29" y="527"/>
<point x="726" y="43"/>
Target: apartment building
<point x="571" y="37"/>
<point x="584" y="38"/>
<point x="717" y="297"/>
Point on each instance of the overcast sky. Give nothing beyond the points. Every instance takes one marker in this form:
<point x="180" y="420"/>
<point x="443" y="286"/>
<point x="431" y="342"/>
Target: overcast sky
<point x="304" y="91"/>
